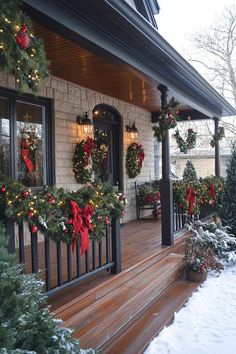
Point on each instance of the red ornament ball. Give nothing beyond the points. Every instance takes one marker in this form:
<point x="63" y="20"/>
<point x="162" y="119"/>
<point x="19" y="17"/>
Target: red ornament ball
<point x="52" y="201"/>
<point x="34" y="229"/>
<point x="25" y="194"/>
<point x="22" y="38"/>
<point x="30" y="214"/>
<point x="3" y="189"/>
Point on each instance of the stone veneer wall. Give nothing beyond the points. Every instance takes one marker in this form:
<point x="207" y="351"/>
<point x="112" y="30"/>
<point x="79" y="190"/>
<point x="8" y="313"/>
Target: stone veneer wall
<point x="70" y="100"/>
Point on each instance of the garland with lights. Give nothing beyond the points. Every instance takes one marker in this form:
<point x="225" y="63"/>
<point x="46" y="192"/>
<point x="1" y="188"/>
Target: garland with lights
<point x="72" y="217"/>
<point x="100" y="154"/>
<point x="134" y="159"/>
<point x="167" y="120"/>
<point x="186" y="144"/>
<point x="192" y="195"/>
<point x="21" y="54"/>
<point x="218" y="136"/>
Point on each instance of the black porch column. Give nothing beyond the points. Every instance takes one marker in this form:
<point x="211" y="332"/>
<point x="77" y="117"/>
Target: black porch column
<point x="166" y="184"/>
<point x="217" y="149"/>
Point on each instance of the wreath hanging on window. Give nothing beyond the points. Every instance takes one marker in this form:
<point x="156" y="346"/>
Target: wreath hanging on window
<point x="21" y="53"/>
<point x="220" y="133"/>
<point x="167" y="120"/>
<point x="134" y="159"/>
<point x="186" y="144"/>
<point x="100" y="154"/>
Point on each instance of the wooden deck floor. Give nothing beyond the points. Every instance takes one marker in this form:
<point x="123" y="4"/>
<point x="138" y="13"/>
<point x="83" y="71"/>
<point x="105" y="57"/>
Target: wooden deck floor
<point x="140" y="239"/>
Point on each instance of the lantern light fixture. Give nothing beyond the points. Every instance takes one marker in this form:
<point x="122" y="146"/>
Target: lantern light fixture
<point x="86" y="123"/>
<point x="132" y="130"/>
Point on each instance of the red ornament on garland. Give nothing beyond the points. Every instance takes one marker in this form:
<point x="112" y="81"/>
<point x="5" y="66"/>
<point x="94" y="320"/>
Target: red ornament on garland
<point x="3" y="189"/>
<point x="52" y="201"/>
<point x="30" y="214"/>
<point x="34" y="229"/>
<point x="25" y="194"/>
<point x="22" y="38"/>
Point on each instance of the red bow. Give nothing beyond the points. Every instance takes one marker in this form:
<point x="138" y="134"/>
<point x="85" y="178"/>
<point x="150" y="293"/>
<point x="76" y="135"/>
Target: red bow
<point x="25" y="157"/>
<point x="212" y="191"/>
<point x="81" y="224"/>
<point x="140" y="158"/>
<point x="190" y="197"/>
<point x="88" y="147"/>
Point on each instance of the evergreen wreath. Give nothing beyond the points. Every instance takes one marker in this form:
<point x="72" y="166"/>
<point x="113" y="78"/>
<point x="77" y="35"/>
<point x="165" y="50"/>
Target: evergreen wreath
<point x="100" y="154"/>
<point x="134" y="159"/>
<point x="82" y="161"/>
<point x="220" y="133"/>
<point x="186" y="144"/>
<point x="21" y="54"/>
<point x="167" y="119"/>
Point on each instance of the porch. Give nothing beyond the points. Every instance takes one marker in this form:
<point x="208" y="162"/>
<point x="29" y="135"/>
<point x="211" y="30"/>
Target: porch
<point x="122" y="313"/>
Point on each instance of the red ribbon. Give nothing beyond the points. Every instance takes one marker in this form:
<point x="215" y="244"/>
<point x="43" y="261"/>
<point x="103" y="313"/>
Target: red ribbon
<point x="81" y="224"/>
<point x="25" y="156"/>
<point x="190" y="197"/>
<point x="212" y="191"/>
<point x="87" y="148"/>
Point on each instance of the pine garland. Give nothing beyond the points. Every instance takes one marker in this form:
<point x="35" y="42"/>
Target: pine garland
<point x="186" y="144"/>
<point x="168" y="119"/>
<point x="134" y="159"/>
<point x="29" y="65"/>
<point x="50" y="211"/>
<point x="218" y="136"/>
<point x="82" y="162"/>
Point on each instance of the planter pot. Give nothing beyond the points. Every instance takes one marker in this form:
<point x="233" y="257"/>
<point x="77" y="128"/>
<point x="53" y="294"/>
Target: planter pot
<point x="195" y="276"/>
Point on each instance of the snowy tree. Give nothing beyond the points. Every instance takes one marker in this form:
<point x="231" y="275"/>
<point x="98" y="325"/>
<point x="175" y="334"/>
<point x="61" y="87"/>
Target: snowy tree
<point x="26" y="325"/>
<point x="227" y="211"/>
<point x="189" y="174"/>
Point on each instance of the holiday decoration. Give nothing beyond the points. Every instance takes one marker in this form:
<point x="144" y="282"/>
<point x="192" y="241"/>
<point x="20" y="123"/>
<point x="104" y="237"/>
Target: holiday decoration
<point x="186" y="144"/>
<point x="167" y="120"/>
<point x="134" y="159"/>
<point x="148" y="194"/>
<point x="82" y="162"/>
<point x="192" y="195"/>
<point x="22" y="38"/>
<point x="218" y="136"/>
<point x="72" y="217"/>
<point x="21" y="54"/>
<point x="100" y="154"/>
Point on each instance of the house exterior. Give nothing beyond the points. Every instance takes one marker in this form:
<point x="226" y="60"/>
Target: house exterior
<point x="108" y="59"/>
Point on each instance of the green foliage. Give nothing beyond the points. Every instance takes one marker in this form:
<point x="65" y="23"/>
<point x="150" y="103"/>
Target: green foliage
<point x="186" y="144"/>
<point x="134" y="159"/>
<point x="29" y="66"/>
<point x="82" y="162"/>
<point x="148" y="193"/>
<point x="208" y="247"/>
<point x="49" y="211"/>
<point x="26" y="325"/>
<point x="218" y="136"/>
<point x="227" y="212"/>
<point x="189" y="174"/>
<point x="168" y="119"/>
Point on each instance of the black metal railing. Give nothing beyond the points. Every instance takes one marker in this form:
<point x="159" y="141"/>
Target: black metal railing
<point x="180" y="216"/>
<point x="56" y="264"/>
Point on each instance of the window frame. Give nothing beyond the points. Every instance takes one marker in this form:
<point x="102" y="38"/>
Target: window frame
<point x="14" y="97"/>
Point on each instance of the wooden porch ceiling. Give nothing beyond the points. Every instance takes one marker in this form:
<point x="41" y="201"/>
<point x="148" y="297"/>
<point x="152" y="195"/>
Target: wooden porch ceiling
<point x="89" y="70"/>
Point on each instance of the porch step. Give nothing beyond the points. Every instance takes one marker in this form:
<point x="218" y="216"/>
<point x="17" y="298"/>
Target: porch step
<point x="113" y="307"/>
<point x="136" y="337"/>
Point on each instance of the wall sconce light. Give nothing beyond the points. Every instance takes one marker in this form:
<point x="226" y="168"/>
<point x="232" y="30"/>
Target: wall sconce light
<point x="132" y="130"/>
<point x="86" y="123"/>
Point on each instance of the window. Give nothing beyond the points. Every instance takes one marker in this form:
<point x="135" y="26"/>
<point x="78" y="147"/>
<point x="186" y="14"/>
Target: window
<point x="25" y="140"/>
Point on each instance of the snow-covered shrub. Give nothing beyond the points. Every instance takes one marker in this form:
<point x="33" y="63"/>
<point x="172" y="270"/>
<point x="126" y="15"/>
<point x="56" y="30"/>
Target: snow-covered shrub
<point x="209" y="246"/>
<point x="26" y="325"/>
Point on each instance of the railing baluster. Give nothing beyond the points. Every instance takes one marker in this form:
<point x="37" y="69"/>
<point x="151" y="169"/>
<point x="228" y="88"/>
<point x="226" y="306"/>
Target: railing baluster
<point x="47" y="263"/>
<point x="69" y="262"/>
<point x="34" y="252"/>
<point x="78" y="260"/>
<point x="116" y="250"/>
<point x="21" y="243"/>
<point x="100" y="253"/>
<point x="108" y="244"/>
<point x="87" y="261"/>
<point x="10" y="230"/>
<point x="59" y="265"/>
<point x="94" y="254"/>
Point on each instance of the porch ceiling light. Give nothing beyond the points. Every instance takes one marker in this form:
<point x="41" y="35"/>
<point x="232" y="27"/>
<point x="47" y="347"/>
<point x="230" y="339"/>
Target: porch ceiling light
<point x="86" y="123"/>
<point x="132" y="130"/>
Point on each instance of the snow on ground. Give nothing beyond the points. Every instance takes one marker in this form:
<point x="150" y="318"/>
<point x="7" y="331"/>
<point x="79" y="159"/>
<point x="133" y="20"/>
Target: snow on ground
<point x="207" y="323"/>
